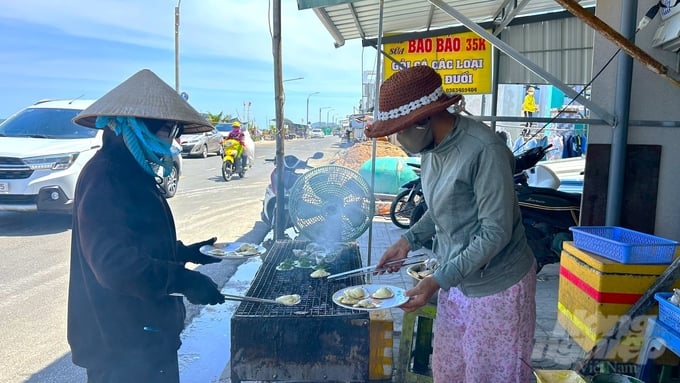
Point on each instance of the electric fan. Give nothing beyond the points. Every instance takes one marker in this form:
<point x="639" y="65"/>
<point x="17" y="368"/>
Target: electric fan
<point x="330" y="203"/>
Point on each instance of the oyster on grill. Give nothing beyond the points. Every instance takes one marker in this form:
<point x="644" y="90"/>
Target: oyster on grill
<point x="289" y="300"/>
<point x="286" y="265"/>
<point x="320" y="273"/>
<point x="383" y="293"/>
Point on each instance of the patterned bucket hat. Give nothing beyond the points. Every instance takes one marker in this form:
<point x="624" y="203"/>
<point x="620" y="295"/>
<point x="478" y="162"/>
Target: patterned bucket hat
<point x="408" y="96"/>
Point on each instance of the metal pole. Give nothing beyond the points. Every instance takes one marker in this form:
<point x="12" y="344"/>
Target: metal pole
<point x="177" y="46"/>
<point x="617" y="157"/>
<point x="374" y="149"/>
<point x="320" y="109"/>
<point x="280" y="214"/>
<point x="308" y="96"/>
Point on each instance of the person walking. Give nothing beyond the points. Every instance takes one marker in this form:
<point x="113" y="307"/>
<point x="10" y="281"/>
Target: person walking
<point x="529" y="106"/>
<point x="127" y="271"/>
<point x="485" y="322"/>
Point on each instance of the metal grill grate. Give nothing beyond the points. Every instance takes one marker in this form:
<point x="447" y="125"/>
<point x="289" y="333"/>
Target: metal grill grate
<point x="314" y="341"/>
<point x="315" y="293"/>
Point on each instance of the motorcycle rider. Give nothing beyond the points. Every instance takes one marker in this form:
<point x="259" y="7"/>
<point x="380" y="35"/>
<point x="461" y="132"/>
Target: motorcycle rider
<point x="238" y="135"/>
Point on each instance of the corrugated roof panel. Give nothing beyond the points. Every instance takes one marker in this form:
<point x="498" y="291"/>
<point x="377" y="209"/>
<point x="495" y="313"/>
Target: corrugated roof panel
<point x="413" y="15"/>
<point x="562" y="47"/>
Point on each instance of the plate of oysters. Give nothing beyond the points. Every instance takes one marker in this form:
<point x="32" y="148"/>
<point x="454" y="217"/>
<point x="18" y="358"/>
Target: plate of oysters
<point x="232" y="250"/>
<point x="370" y="297"/>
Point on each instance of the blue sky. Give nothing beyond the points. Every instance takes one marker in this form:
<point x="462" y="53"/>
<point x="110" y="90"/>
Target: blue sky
<point x="81" y="48"/>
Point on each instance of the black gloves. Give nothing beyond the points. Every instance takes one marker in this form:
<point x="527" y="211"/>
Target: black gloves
<point x="199" y="289"/>
<point x="192" y="254"/>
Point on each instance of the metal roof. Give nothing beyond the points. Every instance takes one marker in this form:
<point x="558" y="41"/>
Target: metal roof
<point x="347" y="20"/>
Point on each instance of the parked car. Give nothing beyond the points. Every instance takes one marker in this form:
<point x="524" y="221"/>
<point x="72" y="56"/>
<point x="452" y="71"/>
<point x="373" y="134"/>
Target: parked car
<point x="171" y="182"/>
<point x="42" y="153"/>
<point x="316" y="133"/>
<point x="225" y="128"/>
<point x="199" y="145"/>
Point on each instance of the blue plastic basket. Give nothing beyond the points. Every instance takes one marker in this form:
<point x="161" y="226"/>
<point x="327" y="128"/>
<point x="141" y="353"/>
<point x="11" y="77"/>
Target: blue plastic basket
<point x="624" y="245"/>
<point x="669" y="314"/>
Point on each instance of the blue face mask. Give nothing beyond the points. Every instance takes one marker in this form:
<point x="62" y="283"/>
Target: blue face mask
<point x="149" y="150"/>
<point x="417" y="138"/>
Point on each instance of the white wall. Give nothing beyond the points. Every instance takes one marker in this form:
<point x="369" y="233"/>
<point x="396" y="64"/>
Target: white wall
<point x="653" y="98"/>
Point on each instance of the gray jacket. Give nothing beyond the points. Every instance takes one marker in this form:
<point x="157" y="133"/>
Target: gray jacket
<point x="472" y="208"/>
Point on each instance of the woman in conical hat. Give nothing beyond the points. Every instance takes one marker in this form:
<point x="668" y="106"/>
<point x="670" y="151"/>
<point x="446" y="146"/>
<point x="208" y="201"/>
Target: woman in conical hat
<point x="486" y="280"/>
<point x="123" y="324"/>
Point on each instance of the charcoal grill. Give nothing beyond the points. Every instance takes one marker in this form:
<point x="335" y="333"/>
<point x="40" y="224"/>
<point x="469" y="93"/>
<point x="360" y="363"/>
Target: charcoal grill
<point x="314" y="341"/>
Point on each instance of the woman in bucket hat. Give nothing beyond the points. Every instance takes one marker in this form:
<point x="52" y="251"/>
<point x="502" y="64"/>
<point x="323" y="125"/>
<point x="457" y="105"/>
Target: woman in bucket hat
<point x="123" y="324"/>
<point x="486" y="280"/>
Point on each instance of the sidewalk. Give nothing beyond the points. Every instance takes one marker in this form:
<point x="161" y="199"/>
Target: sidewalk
<point x="553" y="348"/>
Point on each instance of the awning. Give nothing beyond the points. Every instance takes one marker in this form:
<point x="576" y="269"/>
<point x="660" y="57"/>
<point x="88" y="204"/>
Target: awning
<point x="347" y="20"/>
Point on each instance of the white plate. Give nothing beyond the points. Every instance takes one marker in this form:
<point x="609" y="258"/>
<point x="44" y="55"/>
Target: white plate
<point x="227" y="250"/>
<point x="397" y="300"/>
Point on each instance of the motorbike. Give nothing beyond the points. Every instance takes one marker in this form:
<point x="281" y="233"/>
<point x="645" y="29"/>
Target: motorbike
<point x="547" y="213"/>
<point x="293" y="168"/>
<point x="231" y="160"/>
<point x="406" y="200"/>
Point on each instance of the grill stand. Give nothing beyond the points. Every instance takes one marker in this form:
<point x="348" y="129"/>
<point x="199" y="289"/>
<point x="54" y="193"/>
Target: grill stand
<point x="313" y="341"/>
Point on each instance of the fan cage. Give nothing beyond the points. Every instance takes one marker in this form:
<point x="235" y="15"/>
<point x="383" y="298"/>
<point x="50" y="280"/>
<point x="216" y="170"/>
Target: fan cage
<point x="330" y="203"/>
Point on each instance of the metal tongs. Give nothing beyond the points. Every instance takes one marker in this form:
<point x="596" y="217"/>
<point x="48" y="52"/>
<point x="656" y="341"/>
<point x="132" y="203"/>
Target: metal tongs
<point x="241" y="298"/>
<point x="413" y="260"/>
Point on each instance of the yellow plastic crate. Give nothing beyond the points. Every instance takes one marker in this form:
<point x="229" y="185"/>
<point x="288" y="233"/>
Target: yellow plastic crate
<point x="593" y="294"/>
<point x="608" y="266"/>
<point x="604" y="281"/>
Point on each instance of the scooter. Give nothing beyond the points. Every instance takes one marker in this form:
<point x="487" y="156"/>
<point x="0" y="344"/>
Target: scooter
<point x="403" y="204"/>
<point x="547" y="213"/>
<point x="293" y="168"/>
<point x="231" y="161"/>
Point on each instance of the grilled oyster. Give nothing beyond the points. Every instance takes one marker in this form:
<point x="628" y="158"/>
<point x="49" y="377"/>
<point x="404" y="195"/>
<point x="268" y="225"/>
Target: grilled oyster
<point x="289" y="300"/>
<point x="347" y="300"/>
<point x="356" y="292"/>
<point x="383" y="293"/>
<point x="320" y="273"/>
<point x="217" y="252"/>
<point x="367" y="304"/>
<point x="247" y="249"/>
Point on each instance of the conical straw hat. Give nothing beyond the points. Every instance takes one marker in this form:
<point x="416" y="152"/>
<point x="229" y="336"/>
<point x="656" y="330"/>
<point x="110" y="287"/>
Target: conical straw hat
<point x="145" y="95"/>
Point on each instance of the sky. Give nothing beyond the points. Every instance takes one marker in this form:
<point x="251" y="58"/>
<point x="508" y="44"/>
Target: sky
<point x="83" y="48"/>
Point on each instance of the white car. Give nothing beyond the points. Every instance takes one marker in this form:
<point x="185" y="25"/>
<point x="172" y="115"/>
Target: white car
<point x="316" y="133"/>
<point x="42" y="153"/>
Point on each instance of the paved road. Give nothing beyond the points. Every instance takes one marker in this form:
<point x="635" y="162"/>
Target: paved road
<point x="35" y="250"/>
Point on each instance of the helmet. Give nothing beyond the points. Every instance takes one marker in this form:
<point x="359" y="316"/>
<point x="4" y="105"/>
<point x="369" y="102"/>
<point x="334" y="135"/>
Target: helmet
<point x="236" y="124"/>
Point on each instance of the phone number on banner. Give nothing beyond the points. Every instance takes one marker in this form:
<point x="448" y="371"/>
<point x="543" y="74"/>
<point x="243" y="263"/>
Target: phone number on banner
<point x="461" y="90"/>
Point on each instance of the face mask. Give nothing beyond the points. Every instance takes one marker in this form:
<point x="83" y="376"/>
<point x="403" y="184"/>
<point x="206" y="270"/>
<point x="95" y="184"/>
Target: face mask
<point x="416" y="138"/>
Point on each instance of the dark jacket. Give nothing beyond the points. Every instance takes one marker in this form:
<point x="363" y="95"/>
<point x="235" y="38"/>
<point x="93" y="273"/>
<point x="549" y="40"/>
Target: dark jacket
<point x="123" y="261"/>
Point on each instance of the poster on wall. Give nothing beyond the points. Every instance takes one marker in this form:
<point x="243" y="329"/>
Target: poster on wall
<point x="462" y="59"/>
